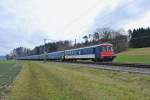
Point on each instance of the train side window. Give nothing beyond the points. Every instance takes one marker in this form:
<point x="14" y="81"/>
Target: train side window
<point x="68" y="52"/>
<point x="79" y="52"/>
<point x="85" y="51"/>
<point x="89" y="50"/>
<point x="74" y="52"/>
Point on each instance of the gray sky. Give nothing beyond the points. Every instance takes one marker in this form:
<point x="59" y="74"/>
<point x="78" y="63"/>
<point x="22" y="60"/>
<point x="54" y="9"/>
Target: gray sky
<point x="27" y="22"/>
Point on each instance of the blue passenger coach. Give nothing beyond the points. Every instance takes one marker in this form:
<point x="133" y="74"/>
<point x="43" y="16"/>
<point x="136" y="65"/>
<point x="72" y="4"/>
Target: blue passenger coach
<point x="81" y="53"/>
<point x="96" y="53"/>
<point x="56" y="55"/>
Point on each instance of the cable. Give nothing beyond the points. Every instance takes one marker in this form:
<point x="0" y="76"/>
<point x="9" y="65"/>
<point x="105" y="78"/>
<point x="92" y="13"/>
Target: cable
<point x="86" y="12"/>
<point x="81" y="15"/>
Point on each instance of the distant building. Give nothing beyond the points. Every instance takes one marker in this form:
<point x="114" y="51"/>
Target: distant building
<point x="2" y="57"/>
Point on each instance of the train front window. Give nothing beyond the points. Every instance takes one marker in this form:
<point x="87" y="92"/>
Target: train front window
<point x="104" y="49"/>
<point x="107" y="48"/>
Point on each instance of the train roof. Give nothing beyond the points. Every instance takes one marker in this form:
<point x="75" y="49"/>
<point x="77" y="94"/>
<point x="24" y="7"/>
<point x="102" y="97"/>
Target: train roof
<point x="103" y="44"/>
<point x="56" y="52"/>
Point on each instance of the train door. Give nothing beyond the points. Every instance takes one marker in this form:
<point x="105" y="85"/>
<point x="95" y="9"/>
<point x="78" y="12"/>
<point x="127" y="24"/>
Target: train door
<point x="97" y="53"/>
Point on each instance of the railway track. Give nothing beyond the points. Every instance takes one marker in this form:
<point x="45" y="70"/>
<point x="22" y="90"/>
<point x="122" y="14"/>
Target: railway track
<point x="124" y="67"/>
<point x="135" y="65"/>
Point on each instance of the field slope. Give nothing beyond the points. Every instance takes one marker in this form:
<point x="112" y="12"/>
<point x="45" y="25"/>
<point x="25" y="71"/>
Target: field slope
<point x="57" y="81"/>
<point x="140" y="55"/>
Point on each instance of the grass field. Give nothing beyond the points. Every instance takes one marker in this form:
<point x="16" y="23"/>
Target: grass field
<point x="57" y="81"/>
<point x="140" y="55"/>
<point x="8" y="72"/>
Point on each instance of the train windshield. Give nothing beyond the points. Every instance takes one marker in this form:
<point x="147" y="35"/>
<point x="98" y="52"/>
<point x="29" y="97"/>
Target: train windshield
<point x="107" y="48"/>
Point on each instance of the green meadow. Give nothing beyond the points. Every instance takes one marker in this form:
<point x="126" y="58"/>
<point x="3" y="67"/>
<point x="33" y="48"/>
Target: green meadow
<point x="59" y="81"/>
<point x="139" y="55"/>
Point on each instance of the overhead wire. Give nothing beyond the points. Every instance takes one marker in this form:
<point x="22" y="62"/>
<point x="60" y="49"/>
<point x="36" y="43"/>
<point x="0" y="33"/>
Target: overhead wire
<point x="88" y="11"/>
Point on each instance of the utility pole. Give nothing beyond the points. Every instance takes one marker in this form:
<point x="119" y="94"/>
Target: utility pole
<point x="75" y="43"/>
<point x="45" y="52"/>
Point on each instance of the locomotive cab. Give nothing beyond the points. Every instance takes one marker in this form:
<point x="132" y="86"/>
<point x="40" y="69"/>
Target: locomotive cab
<point x="106" y="52"/>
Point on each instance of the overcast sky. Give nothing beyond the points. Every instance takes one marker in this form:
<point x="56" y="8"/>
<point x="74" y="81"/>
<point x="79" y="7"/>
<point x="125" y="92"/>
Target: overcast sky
<point x="27" y="22"/>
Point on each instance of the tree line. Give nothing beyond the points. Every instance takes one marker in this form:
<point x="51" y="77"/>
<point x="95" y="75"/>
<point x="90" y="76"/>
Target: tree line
<point x="118" y="38"/>
<point x="48" y="47"/>
<point x="140" y="37"/>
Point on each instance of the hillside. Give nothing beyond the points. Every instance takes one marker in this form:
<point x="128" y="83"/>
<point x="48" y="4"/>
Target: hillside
<point x="138" y="55"/>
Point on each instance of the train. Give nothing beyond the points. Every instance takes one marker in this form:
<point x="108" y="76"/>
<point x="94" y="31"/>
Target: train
<point x="101" y="52"/>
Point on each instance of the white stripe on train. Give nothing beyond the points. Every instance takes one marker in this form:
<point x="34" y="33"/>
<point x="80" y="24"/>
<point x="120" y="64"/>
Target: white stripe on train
<point x="80" y="56"/>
